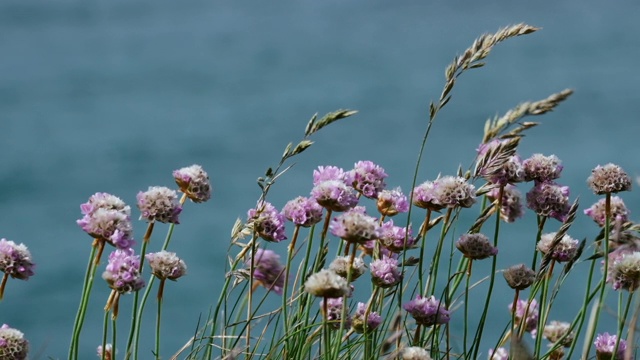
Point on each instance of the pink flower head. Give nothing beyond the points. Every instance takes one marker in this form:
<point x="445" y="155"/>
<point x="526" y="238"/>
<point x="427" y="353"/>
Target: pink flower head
<point x="605" y="345"/>
<point x="333" y="312"/>
<point x="495" y="164"/>
<point x="511" y="208"/>
<point x="194" y="182"/>
<point x="334" y="195"/>
<point x="392" y="202"/>
<point x="303" y="211"/>
<point x="528" y="312"/>
<point x="106" y="217"/>
<point x="542" y="168"/>
<point x="267" y="270"/>
<point x="624" y="269"/>
<point x="15" y="260"/>
<point x="447" y="191"/>
<point x="355" y="226"/>
<point x="608" y="179"/>
<point x="166" y="265"/>
<point x="159" y="203"/>
<point x="475" y="246"/>
<point x="326" y="173"/>
<point x="396" y="238"/>
<point x="549" y="199"/>
<point x="123" y="271"/>
<point x="357" y="322"/>
<point x="267" y="222"/>
<point x="619" y="211"/>
<point x="368" y="178"/>
<point x="385" y="272"/>
<point x="427" y="311"/>
<point x="13" y="345"/>
<point x="564" y="251"/>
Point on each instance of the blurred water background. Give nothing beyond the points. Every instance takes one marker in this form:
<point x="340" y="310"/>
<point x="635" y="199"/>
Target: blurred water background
<point x="113" y="95"/>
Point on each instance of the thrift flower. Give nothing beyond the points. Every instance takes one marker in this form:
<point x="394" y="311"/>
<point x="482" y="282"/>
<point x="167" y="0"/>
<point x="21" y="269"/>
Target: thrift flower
<point x="527" y="312"/>
<point x="559" y="331"/>
<point x="475" y="246"/>
<point x="108" y="352"/>
<point x="498" y="354"/>
<point x="334" y="312"/>
<point x="511" y="208"/>
<point x="424" y="196"/>
<point x="498" y="164"/>
<point x="303" y="211"/>
<point x="122" y="272"/>
<point x="427" y="311"/>
<point x="415" y="353"/>
<point x="326" y="173"/>
<point x="542" y="168"/>
<point x="193" y="181"/>
<point x="606" y="343"/>
<point x="385" y="272"/>
<point x="549" y="199"/>
<point x="267" y="270"/>
<point x="396" y="238"/>
<point x="15" y="260"/>
<point x="357" y="322"/>
<point x="108" y="219"/>
<point x="619" y="211"/>
<point x="609" y="179"/>
<point x="13" y="345"/>
<point x="267" y="222"/>
<point x="392" y="202"/>
<point x="334" y="195"/>
<point x="166" y="265"/>
<point x="564" y="251"/>
<point x="624" y="270"/>
<point x="355" y="226"/>
<point x="519" y="277"/>
<point x="326" y="283"/>
<point x="447" y="191"/>
<point x="106" y="201"/>
<point x="159" y="203"/>
<point x="341" y="267"/>
<point x="368" y="179"/>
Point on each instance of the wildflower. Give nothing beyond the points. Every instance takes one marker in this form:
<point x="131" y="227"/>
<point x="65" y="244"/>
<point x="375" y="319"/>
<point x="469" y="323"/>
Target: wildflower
<point x="107" y="218"/>
<point x="341" y="267"/>
<point x="368" y="178"/>
<point x="447" y="191"/>
<point x="396" y="238"/>
<point x="542" y="168"/>
<point x="303" y="211"/>
<point x="559" y="331"/>
<point x="519" y="277"/>
<point x="415" y="353"/>
<point x="355" y="226"/>
<point x="609" y="179"/>
<point x="357" y="322"/>
<point x="619" y="211"/>
<point x="267" y="270"/>
<point x="526" y="313"/>
<point x="498" y="163"/>
<point x="475" y="246"/>
<point x="15" y="260"/>
<point x="159" y="203"/>
<point x="166" y="265"/>
<point x="549" y="199"/>
<point x="193" y="181"/>
<point x="392" y="202"/>
<point x="624" y="270"/>
<point x="123" y="271"/>
<point x="13" y="345"/>
<point x="385" y="272"/>
<point x="108" y="349"/>
<point x="368" y="248"/>
<point x="326" y="173"/>
<point x="427" y="311"/>
<point x="267" y="222"/>
<point x="334" y="195"/>
<point x="511" y="205"/>
<point x="606" y="343"/>
<point x="326" y="283"/>
<point x="334" y="312"/>
<point x="564" y="250"/>
<point x="498" y="354"/>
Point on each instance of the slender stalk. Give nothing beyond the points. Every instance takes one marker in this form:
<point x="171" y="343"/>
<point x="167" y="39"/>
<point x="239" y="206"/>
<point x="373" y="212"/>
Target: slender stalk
<point x="114" y="337"/>
<point x="84" y="300"/>
<point x="433" y="269"/>
<point x="466" y="307"/>
<point x="285" y="289"/>
<point x="423" y="239"/>
<point x="622" y="318"/>
<point x="158" y="317"/>
<point x="5" y="277"/>
<point x="104" y="334"/>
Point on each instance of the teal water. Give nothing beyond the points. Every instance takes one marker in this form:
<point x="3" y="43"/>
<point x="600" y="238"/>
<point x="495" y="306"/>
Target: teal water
<point x="112" y="96"/>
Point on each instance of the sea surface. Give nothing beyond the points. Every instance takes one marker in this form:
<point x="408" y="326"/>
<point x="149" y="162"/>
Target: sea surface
<point x="112" y="96"/>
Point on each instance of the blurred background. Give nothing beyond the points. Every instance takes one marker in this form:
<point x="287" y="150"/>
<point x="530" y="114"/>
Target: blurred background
<point x="112" y="96"/>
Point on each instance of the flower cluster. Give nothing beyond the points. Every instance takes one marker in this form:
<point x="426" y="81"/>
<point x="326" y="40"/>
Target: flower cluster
<point x="444" y="192"/>
<point x="303" y="211"/>
<point x="619" y="211"/>
<point x="542" y="168"/>
<point x="340" y="266"/>
<point x="15" y="260"/>
<point x="511" y="204"/>
<point x="13" y="345"/>
<point x="559" y="331"/>
<point x="563" y="251"/>
<point x="368" y="178"/>
<point x="358" y="321"/>
<point x="609" y="179"/>
<point x="159" y="203"/>
<point x="267" y="270"/>
<point x="549" y="199"/>
<point x="605" y="346"/>
<point x="396" y="238"/>
<point x="333" y="312"/>
<point x="267" y="222"/>
<point x="106" y="217"/>
<point x="385" y="272"/>
<point x="519" y="277"/>
<point x="123" y="271"/>
<point x="624" y="270"/>
<point x="355" y="226"/>
<point x="497" y="165"/>
<point x="526" y="313"/>
<point x="427" y="311"/>
<point x="392" y="202"/>
<point x="193" y="181"/>
<point x="332" y="188"/>
<point x="166" y="265"/>
<point x="326" y="283"/>
<point x="475" y="246"/>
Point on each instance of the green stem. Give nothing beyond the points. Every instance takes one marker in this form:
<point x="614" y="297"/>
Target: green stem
<point x="622" y="319"/>
<point x="423" y="239"/>
<point x="285" y="290"/>
<point x="433" y="270"/>
<point x="158" y="317"/>
<point x="84" y="300"/>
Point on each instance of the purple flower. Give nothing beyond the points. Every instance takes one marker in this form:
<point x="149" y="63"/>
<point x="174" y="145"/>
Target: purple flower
<point x="542" y="168"/>
<point x="619" y="211"/>
<point x="355" y="226"/>
<point x="475" y="246"/>
<point x="341" y="267"/>
<point x="358" y="321"/>
<point x="605" y="345"/>
<point x="123" y="271"/>
<point x="385" y="272"/>
<point x="326" y="173"/>
<point x="267" y="270"/>
<point x="396" y="238"/>
<point x="519" y="277"/>
<point x="609" y="179"/>
<point x="13" y="345"/>
<point x="528" y="312"/>
<point x="498" y="164"/>
<point x="368" y="178"/>
<point x="104" y="201"/>
<point x="267" y="222"/>
<point x="624" y="269"/>
<point x="159" y="203"/>
<point x="112" y="226"/>
<point x="511" y="208"/>
<point x="427" y="311"/>
<point x="193" y="181"/>
<point x="15" y="260"/>
<point x="303" y="211"/>
<point x="333" y="312"/>
<point x="334" y="195"/>
<point x="166" y="265"/>
<point x="564" y="251"/>
<point x="447" y="191"/>
<point x="549" y="199"/>
<point x="326" y="283"/>
<point x="392" y="202"/>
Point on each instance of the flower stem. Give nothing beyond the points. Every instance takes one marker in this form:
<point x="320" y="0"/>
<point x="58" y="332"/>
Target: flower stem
<point x="82" y="309"/>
